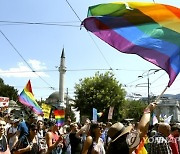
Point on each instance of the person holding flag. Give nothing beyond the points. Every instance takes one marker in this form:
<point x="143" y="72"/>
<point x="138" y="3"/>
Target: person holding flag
<point x="53" y="140"/>
<point x="125" y="139"/>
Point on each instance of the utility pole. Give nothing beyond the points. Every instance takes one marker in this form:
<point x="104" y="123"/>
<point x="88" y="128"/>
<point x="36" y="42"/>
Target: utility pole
<point x="148" y="83"/>
<point x="62" y="70"/>
<point x="155" y="70"/>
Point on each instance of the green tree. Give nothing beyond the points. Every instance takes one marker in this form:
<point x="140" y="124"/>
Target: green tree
<point x="100" y="92"/>
<point x="132" y="109"/>
<point x="69" y="114"/>
<point x="8" y="91"/>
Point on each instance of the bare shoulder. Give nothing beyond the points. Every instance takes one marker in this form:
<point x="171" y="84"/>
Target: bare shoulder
<point x="89" y="140"/>
<point x="87" y="144"/>
<point x="48" y="134"/>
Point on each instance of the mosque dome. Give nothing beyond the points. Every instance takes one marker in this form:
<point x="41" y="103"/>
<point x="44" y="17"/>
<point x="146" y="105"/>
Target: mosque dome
<point x="54" y="95"/>
<point x="53" y="98"/>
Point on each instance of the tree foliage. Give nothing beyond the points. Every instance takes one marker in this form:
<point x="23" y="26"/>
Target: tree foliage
<point x="133" y="109"/>
<point x="8" y="91"/>
<point x="100" y="91"/>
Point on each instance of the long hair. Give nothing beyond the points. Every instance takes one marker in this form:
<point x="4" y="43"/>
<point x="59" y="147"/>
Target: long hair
<point x="92" y="128"/>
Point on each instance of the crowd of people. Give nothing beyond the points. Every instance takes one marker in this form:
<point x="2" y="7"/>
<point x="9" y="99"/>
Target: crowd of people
<point x="41" y="136"/>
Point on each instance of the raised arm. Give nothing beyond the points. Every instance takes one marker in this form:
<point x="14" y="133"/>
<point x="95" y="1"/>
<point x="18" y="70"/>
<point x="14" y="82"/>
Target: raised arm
<point x="144" y="122"/>
<point x="143" y="125"/>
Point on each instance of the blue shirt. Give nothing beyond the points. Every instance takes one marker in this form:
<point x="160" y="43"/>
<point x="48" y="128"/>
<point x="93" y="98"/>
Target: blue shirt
<point x="23" y="129"/>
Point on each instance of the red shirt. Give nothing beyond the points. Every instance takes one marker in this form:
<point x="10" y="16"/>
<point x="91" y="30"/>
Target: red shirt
<point x="55" y="137"/>
<point x="173" y="144"/>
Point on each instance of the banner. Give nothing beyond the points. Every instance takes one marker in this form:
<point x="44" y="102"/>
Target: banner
<point x="46" y="110"/>
<point x="110" y="112"/>
<point x="94" y="114"/>
<point x="4" y="101"/>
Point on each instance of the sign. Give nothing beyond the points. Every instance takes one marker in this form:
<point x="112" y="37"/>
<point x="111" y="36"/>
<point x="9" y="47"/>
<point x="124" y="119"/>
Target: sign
<point x="4" y="101"/>
<point x="110" y="112"/>
<point x="46" y="110"/>
<point x="94" y="114"/>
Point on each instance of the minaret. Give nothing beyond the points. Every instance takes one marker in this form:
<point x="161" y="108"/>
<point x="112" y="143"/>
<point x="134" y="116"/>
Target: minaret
<point x="62" y="70"/>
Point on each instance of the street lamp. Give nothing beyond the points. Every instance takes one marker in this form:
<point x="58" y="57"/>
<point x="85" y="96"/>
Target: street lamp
<point x="147" y="74"/>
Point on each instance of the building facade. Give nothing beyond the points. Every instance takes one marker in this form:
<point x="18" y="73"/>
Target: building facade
<point x="167" y="107"/>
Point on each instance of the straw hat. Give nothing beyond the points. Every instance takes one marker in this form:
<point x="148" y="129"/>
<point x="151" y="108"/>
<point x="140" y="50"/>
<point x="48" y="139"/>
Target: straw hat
<point x="117" y="130"/>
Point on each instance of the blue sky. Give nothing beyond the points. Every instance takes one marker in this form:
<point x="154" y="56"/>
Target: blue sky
<point x="40" y="45"/>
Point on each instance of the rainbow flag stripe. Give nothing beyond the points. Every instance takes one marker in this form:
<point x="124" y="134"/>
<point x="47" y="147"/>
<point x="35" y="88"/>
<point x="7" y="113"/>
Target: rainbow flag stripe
<point x="99" y="114"/>
<point x="60" y="117"/>
<point x="26" y="97"/>
<point x="147" y="29"/>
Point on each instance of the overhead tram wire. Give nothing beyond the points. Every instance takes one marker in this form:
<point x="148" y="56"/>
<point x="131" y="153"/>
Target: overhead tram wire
<point x="27" y="71"/>
<point x="41" y="23"/>
<point x="74" y="11"/>
<point x="34" y="87"/>
<point x="158" y="77"/>
<point x="69" y="70"/>
<point x="100" y="51"/>
<point x="89" y="35"/>
<point x="142" y="78"/>
<point x="37" y="23"/>
<point x="55" y="24"/>
<point x="25" y="60"/>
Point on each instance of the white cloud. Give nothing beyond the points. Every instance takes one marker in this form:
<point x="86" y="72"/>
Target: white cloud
<point x="22" y="70"/>
<point x="37" y="65"/>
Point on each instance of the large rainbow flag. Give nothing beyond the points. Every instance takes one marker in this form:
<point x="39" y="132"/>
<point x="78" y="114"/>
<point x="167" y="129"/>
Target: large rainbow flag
<point x="60" y="117"/>
<point x="147" y="29"/>
<point x="26" y="97"/>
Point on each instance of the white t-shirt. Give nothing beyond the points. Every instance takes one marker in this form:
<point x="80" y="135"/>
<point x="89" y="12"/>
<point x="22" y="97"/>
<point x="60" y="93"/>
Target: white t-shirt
<point x="99" y="147"/>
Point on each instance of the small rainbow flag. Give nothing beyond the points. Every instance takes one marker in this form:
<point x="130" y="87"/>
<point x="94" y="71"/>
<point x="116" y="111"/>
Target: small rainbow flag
<point x="26" y="97"/>
<point x="60" y="117"/>
<point x="99" y="114"/>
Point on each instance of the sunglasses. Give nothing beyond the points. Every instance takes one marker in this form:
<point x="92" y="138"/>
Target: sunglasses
<point x="3" y="125"/>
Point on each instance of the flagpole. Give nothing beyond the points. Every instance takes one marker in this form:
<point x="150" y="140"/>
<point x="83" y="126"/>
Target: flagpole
<point x="158" y="98"/>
